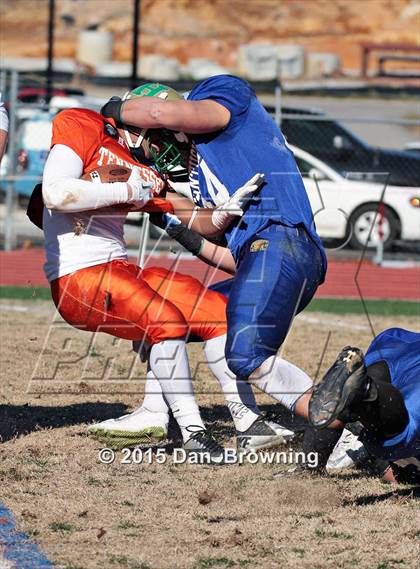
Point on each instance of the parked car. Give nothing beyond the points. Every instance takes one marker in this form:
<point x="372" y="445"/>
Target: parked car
<point x="34" y="138"/>
<point x="33" y="145"/>
<point x="412" y="146"/>
<point x="347" y="209"/>
<point x="346" y="153"/>
<point x="39" y="94"/>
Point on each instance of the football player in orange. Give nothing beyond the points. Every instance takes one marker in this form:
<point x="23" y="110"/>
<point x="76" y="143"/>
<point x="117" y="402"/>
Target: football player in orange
<point x="93" y="285"/>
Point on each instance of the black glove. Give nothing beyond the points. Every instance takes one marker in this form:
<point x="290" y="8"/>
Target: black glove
<point x="112" y="109"/>
<point x="188" y="238"/>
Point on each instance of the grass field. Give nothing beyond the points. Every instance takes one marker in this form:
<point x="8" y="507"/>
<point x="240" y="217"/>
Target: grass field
<point x="85" y="514"/>
<point x="333" y="305"/>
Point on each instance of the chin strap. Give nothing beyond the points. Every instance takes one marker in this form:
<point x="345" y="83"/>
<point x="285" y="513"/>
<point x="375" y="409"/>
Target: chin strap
<point x="133" y="146"/>
<point x="139" y="155"/>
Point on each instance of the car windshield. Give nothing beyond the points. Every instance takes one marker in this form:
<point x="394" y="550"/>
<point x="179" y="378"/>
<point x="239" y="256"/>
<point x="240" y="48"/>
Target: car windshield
<point x="304" y="167"/>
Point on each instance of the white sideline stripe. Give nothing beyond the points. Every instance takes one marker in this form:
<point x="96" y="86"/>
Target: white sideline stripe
<point x="305" y="318"/>
<point x="326" y="322"/>
<point x="6" y="563"/>
<point x="21" y="308"/>
<point x="391" y="264"/>
<point x="149" y="256"/>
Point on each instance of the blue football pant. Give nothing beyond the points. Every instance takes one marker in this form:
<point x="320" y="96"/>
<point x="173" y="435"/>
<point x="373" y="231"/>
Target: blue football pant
<point x="278" y="273"/>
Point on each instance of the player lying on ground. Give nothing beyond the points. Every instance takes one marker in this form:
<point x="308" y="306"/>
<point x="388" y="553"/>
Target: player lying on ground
<point x="92" y="284"/>
<point x="278" y="257"/>
<point x="381" y="390"/>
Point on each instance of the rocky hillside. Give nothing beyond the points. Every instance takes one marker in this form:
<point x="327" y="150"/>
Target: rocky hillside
<point x="213" y="28"/>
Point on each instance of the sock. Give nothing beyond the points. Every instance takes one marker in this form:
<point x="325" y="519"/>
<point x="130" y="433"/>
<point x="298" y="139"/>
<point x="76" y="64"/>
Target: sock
<point x="282" y="380"/>
<point x="169" y="364"/>
<point x="322" y="442"/>
<point x="153" y="396"/>
<point x="238" y="393"/>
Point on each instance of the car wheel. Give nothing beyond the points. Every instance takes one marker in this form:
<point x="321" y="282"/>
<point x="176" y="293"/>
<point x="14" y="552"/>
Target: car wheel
<point x="364" y="226"/>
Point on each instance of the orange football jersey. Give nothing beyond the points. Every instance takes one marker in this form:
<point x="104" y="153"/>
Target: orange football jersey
<point x="84" y="131"/>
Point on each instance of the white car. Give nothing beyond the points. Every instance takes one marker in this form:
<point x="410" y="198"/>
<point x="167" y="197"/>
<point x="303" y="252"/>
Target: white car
<point x="358" y="212"/>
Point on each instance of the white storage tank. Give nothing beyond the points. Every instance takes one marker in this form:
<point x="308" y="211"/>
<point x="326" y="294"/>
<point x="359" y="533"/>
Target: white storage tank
<point x="257" y="62"/>
<point x="291" y="61"/>
<point x="159" y="68"/>
<point x="200" y="68"/>
<point x="94" y="47"/>
<point x="322" y="64"/>
<point x="115" y="69"/>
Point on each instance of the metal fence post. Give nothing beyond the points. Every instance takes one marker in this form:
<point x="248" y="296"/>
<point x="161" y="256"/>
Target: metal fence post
<point x="3" y="82"/>
<point x="9" y="234"/>
<point x="144" y="240"/>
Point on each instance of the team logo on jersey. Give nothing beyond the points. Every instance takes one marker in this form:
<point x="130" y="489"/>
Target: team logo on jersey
<point x="95" y="177"/>
<point x="259" y="245"/>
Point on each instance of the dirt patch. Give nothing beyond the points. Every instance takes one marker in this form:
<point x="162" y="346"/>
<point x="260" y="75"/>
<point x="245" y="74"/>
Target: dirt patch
<point x="89" y="515"/>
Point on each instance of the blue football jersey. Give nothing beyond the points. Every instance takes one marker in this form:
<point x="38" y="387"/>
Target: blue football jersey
<point x="400" y="349"/>
<point x="250" y="143"/>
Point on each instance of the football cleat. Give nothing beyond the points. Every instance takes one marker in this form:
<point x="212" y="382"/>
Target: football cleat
<point x="262" y="434"/>
<point x="342" y="384"/>
<point x="204" y="447"/>
<point x="349" y="452"/>
<point x="142" y="427"/>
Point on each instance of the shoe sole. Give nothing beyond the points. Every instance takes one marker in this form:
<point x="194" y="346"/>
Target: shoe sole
<point x="126" y="439"/>
<point x="336" y="390"/>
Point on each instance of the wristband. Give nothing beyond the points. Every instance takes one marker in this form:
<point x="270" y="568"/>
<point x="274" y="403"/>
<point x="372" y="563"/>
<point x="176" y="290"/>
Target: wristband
<point x="189" y="239"/>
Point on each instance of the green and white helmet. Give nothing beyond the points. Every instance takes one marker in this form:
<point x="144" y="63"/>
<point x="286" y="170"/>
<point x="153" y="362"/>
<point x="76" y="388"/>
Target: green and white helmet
<point x="171" y="144"/>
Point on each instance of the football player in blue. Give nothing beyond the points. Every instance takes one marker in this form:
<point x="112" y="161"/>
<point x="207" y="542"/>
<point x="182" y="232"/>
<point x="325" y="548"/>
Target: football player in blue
<point x="278" y="256"/>
<point x="380" y="389"/>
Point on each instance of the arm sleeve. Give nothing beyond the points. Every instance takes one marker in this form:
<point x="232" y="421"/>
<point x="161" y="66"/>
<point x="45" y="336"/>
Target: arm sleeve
<point x="233" y="93"/>
<point x="62" y="189"/>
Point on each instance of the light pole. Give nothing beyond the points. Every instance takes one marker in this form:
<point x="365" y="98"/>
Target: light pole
<point x="135" y="43"/>
<point x="51" y="15"/>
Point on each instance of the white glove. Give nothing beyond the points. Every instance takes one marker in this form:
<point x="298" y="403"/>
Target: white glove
<point x="223" y="215"/>
<point x="139" y="191"/>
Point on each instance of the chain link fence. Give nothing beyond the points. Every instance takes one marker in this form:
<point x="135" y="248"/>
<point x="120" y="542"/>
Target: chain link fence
<point x="327" y="147"/>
